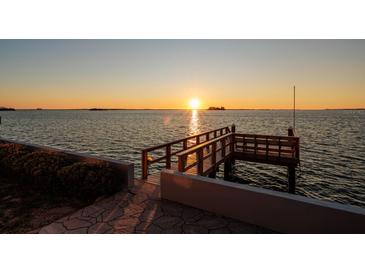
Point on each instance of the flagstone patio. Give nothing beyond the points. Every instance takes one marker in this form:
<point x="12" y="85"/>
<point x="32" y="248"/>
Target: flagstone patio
<point x="140" y="210"/>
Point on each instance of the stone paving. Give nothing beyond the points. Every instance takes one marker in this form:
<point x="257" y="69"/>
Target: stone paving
<point x="140" y="210"/>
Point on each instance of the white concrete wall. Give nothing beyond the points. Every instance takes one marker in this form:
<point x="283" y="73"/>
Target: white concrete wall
<point x="279" y="211"/>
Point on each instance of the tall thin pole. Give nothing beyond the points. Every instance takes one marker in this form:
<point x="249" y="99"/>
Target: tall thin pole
<point x="294" y="110"/>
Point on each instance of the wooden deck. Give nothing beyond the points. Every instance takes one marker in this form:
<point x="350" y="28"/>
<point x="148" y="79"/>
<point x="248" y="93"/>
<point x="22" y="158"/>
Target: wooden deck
<point x="153" y="178"/>
<point x="204" y="157"/>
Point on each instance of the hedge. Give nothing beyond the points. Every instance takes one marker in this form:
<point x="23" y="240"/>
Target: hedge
<point x="57" y="173"/>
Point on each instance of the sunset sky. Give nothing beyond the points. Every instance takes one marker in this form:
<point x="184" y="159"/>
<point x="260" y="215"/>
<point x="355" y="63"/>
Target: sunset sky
<point x="169" y="73"/>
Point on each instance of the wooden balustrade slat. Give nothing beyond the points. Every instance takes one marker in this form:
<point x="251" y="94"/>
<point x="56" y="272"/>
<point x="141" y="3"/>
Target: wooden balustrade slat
<point x="180" y="164"/>
<point x="150" y="162"/>
<point x="144" y="164"/>
<point x="223" y="144"/>
<point x="190" y="166"/>
<point x="185" y="144"/>
<point x="279" y="147"/>
<point x="168" y="156"/>
<point x="200" y="161"/>
<point x="214" y="153"/>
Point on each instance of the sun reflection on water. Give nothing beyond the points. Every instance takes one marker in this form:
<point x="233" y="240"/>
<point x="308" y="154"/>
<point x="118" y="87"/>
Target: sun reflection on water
<point x="194" y="122"/>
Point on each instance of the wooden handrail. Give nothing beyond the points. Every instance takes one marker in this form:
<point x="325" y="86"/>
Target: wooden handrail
<point x="269" y="144"/>
<point x="202" y="145"/>
<point x="200" y="157"/>
<point x="267" y="136"/>
<point x="263" y="141"/>
<point x="168" y="148"/>
<point x="257" y="145"/>
<point x="186" y="139"/>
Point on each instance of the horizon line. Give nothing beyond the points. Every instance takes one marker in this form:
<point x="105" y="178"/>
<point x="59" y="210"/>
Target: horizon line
<point x="106" y="109"/>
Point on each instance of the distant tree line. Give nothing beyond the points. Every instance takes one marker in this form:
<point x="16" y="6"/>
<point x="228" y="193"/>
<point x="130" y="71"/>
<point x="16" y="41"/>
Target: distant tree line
<point x="216" y="108"/>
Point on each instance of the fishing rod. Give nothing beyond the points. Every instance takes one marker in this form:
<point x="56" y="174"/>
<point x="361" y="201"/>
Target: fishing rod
<point x="294" y="111"/>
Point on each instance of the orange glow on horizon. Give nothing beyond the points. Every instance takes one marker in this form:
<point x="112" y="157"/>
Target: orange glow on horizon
<point x="262" y="99"/>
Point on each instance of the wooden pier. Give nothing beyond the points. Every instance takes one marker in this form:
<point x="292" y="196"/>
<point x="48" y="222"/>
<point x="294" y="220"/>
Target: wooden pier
<point x="203" y="154"/>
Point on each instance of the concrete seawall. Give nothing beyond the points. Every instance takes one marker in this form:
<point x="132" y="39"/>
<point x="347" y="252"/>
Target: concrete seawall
<point x="275" y="210"/>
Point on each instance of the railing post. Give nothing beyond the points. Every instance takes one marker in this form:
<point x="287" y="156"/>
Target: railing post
<point x="144" y="164"/>
<point x="213" y="173"/>
<point x="296" y="146"/>
<point x="267" y="148"/>
<point x="200" y="163"/>
<point x="279" y="147"/>
<point x="297" y="151"/>
<point x="185" y="144"/>
<point x="180" y="163"/>
<point x="207" y="140"/>
<point x="255" y="145"/>
<point x="223" y="144"/>
<point x="233" y="128"/>
<point x="233" y="144"/>
<point x="215" y="134"/>
<point x="244" y="146"/>
<point x="168" y="156"/>
<point x="197" y="142"/>
<point x="227" y="168"/>
<point x="214" y="153"/>
<point x="232" y="140"/>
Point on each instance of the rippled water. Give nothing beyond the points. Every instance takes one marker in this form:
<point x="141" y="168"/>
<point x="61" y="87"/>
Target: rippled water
<point x="332" y="142"/>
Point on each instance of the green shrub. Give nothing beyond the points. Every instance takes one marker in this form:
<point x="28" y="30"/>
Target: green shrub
<point x="55" y="173"/>
<point x="9" y="153"/>
<point x="88" y="181"/>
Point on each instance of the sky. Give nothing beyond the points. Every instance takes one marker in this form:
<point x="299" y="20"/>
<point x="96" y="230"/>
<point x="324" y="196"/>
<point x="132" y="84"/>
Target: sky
<point x="255" y="74"/>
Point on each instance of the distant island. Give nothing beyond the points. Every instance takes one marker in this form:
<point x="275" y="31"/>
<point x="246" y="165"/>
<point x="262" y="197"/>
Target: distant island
<point x="216" y="108"/>
<point x="344" y="109"/>
<point x="6" y="109"/>
<point x="98" y="109"/>
<point x="105" y="109"/>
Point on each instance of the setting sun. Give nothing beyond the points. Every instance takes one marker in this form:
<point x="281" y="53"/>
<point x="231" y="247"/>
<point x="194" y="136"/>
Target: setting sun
<point x="194" y="103"/>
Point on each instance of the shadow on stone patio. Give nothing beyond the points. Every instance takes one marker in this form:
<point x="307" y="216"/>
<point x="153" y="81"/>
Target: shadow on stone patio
<point x="140" y="210"/>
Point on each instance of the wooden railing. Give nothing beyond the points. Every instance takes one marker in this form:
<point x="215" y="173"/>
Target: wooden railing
<point x="171" y="149"/>
<point x="266" y="146"/>
<point x="204" y="158"/>
<point x="216" y="150"/>
<point x="202" y="153"/>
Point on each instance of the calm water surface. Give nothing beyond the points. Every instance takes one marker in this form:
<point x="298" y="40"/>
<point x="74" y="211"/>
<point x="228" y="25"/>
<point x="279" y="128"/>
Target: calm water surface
<point x="332" y="142"/>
